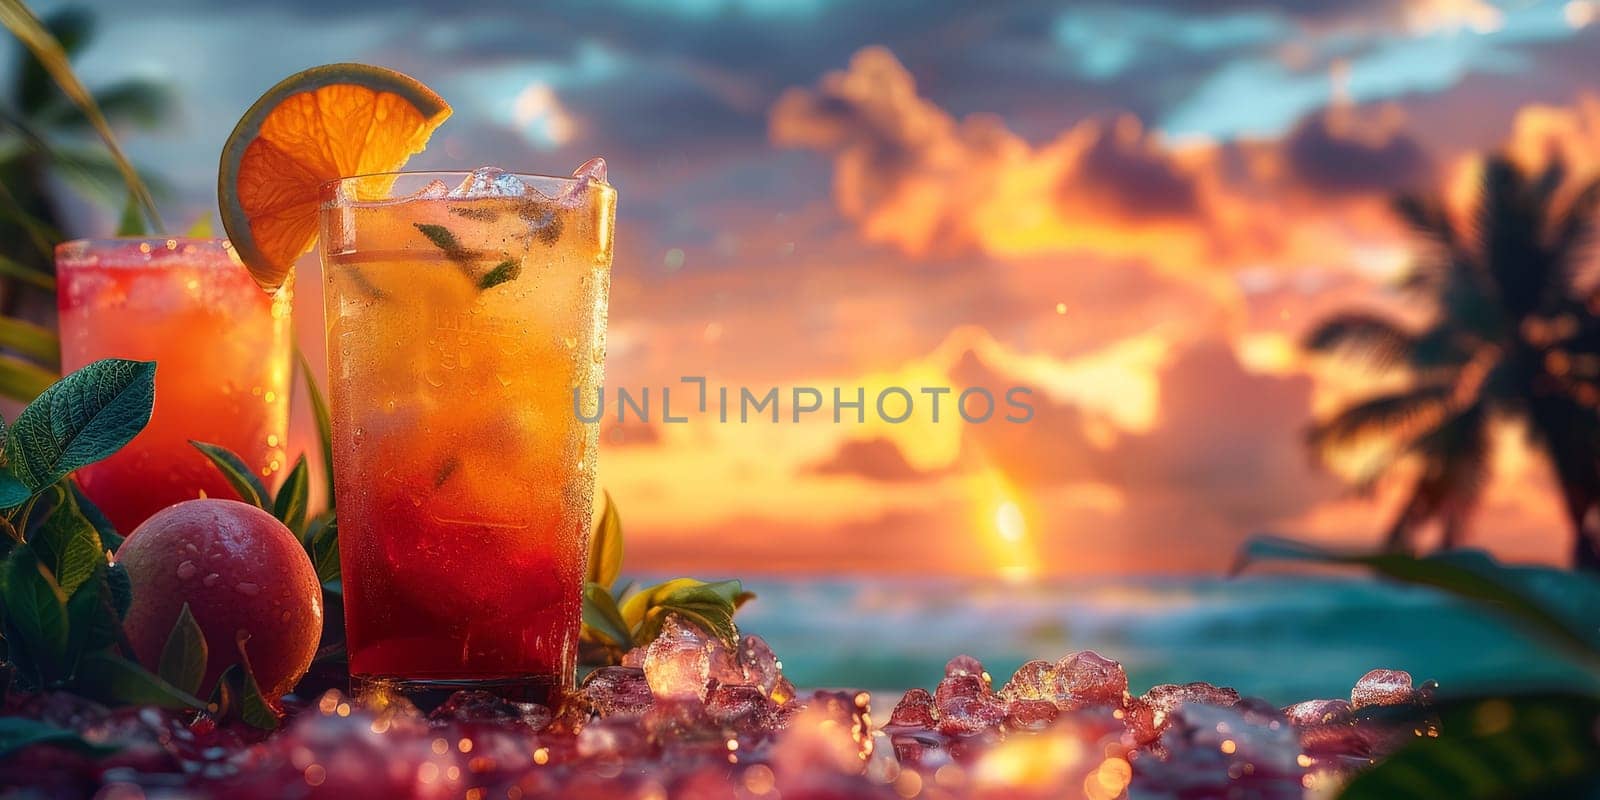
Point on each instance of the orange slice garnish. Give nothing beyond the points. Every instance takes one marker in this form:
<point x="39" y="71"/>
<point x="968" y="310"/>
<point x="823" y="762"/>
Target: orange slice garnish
<point x="325" y="123"/>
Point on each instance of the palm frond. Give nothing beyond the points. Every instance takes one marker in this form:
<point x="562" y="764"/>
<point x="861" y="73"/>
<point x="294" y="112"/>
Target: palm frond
<point x="1396" y="414"/>
<point x="1573" y="236"/>
<point x="1377" y="339"/>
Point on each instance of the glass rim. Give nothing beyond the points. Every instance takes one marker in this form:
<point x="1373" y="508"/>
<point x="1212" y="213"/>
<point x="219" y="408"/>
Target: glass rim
<point x="327" y="189"/>
<point x="87" y="251"/>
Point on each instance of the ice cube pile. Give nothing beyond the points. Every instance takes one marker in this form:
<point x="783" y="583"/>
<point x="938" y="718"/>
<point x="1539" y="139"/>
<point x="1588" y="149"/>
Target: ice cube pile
<point x="693" y="716"/>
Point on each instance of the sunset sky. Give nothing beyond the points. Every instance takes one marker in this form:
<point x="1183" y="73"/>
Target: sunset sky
<point x="1134" y="209"/>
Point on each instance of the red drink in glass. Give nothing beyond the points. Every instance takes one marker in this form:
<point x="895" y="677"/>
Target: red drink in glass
<point x="221" y="348"/>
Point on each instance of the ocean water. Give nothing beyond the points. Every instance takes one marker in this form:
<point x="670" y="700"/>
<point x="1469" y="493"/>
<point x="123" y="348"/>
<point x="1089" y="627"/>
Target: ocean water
<point x="1282" y="638"/>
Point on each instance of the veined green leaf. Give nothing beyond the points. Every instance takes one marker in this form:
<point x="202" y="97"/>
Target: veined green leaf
<point x="601" y="616"/>
<point x="16" y="16"/>
<point x="34" y="341"/>
<point x="319" y="413"/>
<point x="605" y="546"/>
<point x="68" y="544"/>
<point x="35" y="614"/>
<point x="237" y="473"/>
<point x="81" y="419"/>
<point x="17" y="733"/>
<point x="23" y="380"/>
<point x="183" y="658"/>
<point x="291" y="505"/>
<point x="12" y="492"/>
<point x="111" y="678"/>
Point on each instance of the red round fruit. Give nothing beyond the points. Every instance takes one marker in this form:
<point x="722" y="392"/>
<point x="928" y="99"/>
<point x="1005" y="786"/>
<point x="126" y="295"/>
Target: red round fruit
<point x="242" y="573"/>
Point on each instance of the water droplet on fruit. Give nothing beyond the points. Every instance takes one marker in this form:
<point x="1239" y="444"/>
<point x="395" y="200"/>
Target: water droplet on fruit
<point x="186" y="570"/>
<point x="248" y="588"/>
<point x="211" y="579"/>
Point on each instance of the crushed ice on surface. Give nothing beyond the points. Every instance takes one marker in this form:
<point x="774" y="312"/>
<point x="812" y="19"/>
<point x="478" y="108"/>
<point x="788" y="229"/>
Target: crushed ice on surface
<point x="695" y="716"/>
<point x="490" y="182"/>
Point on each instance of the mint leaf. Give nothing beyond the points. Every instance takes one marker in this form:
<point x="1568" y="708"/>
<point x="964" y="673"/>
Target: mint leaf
<point x="239" y="476"/>
<point x="17" y="733"/>
<point x="605" y="547"/>
<point x="319" y="412"/>
<point x="80" y="419"/>
<point x="507" y="270"/>
<point x="68" y="544"/>
<point x="110" y="678"/>
<point x="443" y="239"/>
<point x="601" y="616"/>
<point x="293" y="498"/>
<point x="35" y="617"/>
<point x="183" y="657"/>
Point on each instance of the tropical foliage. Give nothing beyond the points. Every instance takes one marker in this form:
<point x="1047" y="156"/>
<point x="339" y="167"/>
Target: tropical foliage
<point x="1512" y="334"/>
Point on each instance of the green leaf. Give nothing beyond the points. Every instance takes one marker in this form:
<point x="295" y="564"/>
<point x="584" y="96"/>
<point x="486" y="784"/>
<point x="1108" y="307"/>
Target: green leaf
<point x="22" y="380"/>
<point x="95" y="621"/>
<point x="10" y="268"/>
<point x="83" y="418"/>
<point x="35" y="615"/>
<point x="109" y="537"/>
<point x="112" y="679"/>
<point x="319" y="413"/>
<point x="68" y="544"/>
<point x="293" y="497"/>
<point x="201" y="228"/>
<point x="12" y="492"/>
<point x="1493" y="747"/>
<point x="601" y="616"/>
<point x="131" y="223"/>
<point x="1469" y="575"/>
<point x="322" y="545"/>
<point x="44" y="46"/>
<point x="32" y="341"/>
<point x="121" y="589"/>
<point x="238" y="474"/>
<point x="183" y="658"/>
<point x="17" y="733"/>
<point x="507" y="270"/>
<point x="605" y="546"/>
<point x="254" y="708"/>
<point x="708" y="605"/>
<point x="443" y="239"/>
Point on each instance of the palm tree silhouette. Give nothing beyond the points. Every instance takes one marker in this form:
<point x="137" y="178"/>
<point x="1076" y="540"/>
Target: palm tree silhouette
<point x="1513" y="335"/>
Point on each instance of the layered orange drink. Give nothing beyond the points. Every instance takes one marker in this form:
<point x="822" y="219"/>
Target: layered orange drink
<point x="466" y="326"/>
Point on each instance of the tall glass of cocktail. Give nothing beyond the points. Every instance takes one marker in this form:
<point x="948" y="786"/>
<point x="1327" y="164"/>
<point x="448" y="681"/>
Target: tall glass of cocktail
<point x="460" y="322"/>
<point x="221" y="346"/>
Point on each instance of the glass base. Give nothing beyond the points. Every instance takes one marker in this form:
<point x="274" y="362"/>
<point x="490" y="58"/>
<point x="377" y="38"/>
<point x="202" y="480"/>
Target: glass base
<point x="430" y="693"/>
